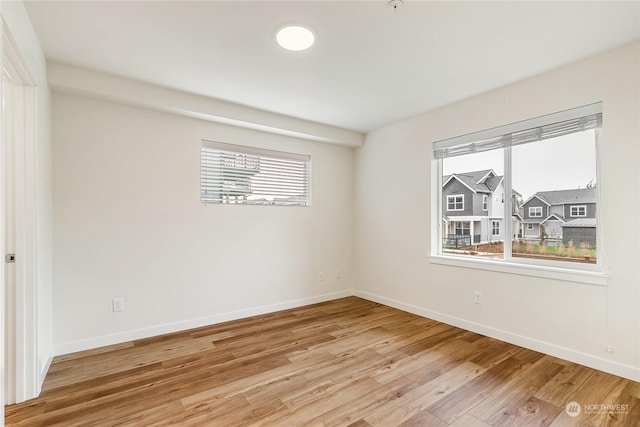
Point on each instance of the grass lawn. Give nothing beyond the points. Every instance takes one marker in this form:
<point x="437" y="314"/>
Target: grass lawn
<point x="553" y="250"/>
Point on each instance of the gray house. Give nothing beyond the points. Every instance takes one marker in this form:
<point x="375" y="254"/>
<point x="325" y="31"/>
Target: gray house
<point x="473" y="206"/>
<point x="566" y="215"/>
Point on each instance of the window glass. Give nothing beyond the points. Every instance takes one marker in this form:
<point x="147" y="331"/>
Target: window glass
<point x="525" y="192"/>
<point x="470" y="227"/>
<point x="557" y="180"/>
<point x="233" y="174"/>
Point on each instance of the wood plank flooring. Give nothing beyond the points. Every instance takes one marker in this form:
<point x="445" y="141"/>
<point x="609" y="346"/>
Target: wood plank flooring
<point x="348" y="362"/>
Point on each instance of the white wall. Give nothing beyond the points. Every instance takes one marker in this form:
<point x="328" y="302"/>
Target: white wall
<point x="572" y="320"/>
<point x="19" y="25"/>
<point x="128" y="222"/>
<point x="63" y="78"/>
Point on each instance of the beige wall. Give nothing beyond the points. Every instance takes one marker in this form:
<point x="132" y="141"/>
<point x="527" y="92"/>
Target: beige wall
<point x="572" y="320"/>
<point x="129" y="223"/>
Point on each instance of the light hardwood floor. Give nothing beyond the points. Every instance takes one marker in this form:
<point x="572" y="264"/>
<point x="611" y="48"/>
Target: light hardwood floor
<point x="347" y="362"/>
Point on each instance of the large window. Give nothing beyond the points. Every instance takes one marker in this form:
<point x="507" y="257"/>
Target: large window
<point x="234" y="174"/>
<point x="541" y="177"/>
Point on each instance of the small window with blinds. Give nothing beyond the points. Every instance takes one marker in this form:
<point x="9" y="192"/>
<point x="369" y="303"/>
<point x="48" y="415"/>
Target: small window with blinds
<point x="235" y="174"/>
<point x="536" y="178"/>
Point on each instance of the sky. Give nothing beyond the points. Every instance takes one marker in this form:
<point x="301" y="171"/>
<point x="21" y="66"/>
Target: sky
<point x="560" y="163"/>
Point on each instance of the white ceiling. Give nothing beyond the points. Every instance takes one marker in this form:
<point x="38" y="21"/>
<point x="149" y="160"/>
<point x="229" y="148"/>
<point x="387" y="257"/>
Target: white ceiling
<point x="368" y="68"/>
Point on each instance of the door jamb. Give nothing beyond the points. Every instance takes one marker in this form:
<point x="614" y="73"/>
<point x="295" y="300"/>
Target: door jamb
<point x="27" y="377"/>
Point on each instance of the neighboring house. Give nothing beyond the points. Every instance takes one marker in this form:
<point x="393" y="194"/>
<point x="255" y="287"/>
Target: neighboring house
<point x="473" y="205"/>
<point x="567" y="215"/>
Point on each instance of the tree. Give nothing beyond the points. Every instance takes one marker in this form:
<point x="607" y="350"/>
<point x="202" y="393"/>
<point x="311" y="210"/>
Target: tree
<point x="543" y="234"/>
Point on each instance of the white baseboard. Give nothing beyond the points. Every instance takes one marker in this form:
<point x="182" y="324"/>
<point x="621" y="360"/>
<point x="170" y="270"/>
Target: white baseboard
<point x="167" y="328"/>
<point x="595" y="362"/>
<point x="615" y="368"/>
<point x="43" y="371"/>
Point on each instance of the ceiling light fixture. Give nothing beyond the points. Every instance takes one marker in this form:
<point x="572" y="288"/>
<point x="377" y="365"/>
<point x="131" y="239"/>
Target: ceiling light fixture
<point x="295" y="37"/>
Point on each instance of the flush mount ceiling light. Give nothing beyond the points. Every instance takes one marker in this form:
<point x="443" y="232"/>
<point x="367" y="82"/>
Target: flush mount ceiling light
<point x="295" y="37"/>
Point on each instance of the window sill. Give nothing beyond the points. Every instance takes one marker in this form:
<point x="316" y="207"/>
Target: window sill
<point x="557" y="273"/>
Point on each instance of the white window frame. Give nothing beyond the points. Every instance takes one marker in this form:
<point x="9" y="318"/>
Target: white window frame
<point x="533" y="211"/>
<point x="495" y="225"/>
<point x="578" y="208"/>
<point x="243" y="175"/>
<point x="589" y="116"/>
<point x="455" y="203"/>
<point x="485" y="202"/>
<point x="530" y="227"/>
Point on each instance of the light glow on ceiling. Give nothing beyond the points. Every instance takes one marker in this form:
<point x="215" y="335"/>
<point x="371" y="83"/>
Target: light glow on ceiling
<point x="295" y="37"/>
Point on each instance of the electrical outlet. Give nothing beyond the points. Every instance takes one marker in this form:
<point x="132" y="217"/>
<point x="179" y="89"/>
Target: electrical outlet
<point x="118" y="304"/>
<point x="321" y="276"/>
<point x="338" y="275"/>
<point x="477" y="297"/>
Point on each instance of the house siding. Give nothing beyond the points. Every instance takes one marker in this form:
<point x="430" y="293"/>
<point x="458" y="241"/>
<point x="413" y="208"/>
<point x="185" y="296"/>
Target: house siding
<point x="496" y="202"/>
<point x="532" y="203"/>
<point x="579" y="235"/>
<point x="535" y="233"/>
<point x="558" y="210"/>
<point x="455" y="187"/>
<point x="477" y="204"/>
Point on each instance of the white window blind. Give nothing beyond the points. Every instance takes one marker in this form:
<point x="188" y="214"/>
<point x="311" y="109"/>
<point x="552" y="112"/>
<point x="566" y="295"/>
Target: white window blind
<point x="551" y="126"/>
<point x="237" y="174"/>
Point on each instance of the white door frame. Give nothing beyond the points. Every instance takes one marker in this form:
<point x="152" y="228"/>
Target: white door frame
<point x="22" y="378"/>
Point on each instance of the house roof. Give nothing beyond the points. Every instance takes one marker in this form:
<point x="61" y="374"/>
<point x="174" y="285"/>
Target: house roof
<point x="482" y="181"/>
<point x="536" y="196"/>
<point x="564" y="197"/>
<point x="493" y="182"/>
<point x="532" y="220"/>
<point x="581" y="222"/>
<point x="553" y="217"/>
